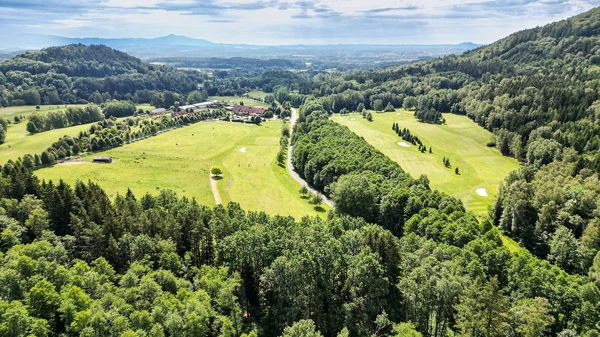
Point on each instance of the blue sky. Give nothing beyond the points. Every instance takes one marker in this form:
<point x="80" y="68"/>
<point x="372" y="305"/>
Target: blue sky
<point x="270" y="22"/>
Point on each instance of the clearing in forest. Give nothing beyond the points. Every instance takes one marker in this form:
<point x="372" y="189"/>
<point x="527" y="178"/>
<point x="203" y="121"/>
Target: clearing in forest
<point x="460" y="140"/>
<point x="180" y="160"/>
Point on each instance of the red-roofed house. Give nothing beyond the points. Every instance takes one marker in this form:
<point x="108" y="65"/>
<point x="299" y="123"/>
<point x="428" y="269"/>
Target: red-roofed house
<point x="247" y="110"/>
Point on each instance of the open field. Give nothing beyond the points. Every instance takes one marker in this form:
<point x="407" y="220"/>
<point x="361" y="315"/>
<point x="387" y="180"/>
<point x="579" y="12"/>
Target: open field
<point x="460" y="140"/>
<point x="141" y="173"/>
<point x="234" y="100"/>
<point x="26" y="110"/>
<point x="180" y="160"/>
<point x="257" y="93"/>
<point x="20" y="142"/>
<point x="12" y="111"/>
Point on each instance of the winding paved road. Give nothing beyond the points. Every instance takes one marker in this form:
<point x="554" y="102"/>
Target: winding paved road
<point x="290" y="166"/>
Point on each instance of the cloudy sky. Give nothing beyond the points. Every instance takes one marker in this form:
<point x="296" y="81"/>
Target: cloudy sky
<point x="288" y="21"/>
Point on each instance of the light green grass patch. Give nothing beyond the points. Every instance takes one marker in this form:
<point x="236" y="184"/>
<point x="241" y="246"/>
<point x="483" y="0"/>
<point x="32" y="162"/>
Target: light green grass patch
<point x="511" y="245"/>
<point x="149" y="174"/>
<point x="234" y="100"/>
<point x="26" y="110"/>
<point x="257" y="94"/>
<point x="460" y="140"/>
<point x="180" y="160"/>
<point x="20" y="142"/>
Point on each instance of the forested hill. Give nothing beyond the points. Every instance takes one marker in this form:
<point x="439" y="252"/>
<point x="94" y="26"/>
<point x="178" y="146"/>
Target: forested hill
<point x="73" y="73"/>
<point x="77" y="60"/>
<point x="569" y="42"/>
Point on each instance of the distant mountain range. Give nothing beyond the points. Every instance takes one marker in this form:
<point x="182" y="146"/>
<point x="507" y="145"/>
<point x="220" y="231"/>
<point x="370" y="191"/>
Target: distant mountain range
<point x="176" y="45"/>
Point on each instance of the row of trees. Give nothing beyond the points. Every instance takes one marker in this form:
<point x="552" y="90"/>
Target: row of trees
<point x="61" y="119"/>
<point x="407" y="136"/>
<point x="3" y="130"/>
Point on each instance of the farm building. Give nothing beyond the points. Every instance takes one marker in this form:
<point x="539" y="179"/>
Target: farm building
<point x="247" y="110"/>
<point x="185" y="107"/>
<point x="198" y="105"/>
<point x="102" y="159"/>
<point x="206" y="104"/>
<point x="155" y="112"/>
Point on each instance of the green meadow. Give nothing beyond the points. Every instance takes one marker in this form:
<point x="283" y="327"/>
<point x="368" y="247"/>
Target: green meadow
<point x="257" y="94"/>
<point x="19" y="141"/>
<point x="23" y="111"/>
<point x="460" y="140"/>
<point x="180" y="160"/>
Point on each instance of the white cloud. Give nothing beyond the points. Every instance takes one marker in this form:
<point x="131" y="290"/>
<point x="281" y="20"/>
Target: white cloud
<point x="290" y="21"/>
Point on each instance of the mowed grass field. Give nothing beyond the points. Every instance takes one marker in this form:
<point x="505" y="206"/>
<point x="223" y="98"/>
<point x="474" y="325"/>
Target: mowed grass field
<point x="460" y="140"/>
<point x="180" y="160"/>
<point x="19" y="141"/>
<point x="257" y="93"/>
<point x="234" y="100"/>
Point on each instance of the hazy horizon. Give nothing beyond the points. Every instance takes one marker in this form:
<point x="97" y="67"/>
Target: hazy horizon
<point x="279" y="22"/>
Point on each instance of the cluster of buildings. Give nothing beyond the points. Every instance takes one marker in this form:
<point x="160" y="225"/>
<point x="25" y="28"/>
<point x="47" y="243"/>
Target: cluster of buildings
<point x="238" y="110"/>
<point x="241" y="110"/>
<point x="198" y="105"/>
<point x="182" y="109"/>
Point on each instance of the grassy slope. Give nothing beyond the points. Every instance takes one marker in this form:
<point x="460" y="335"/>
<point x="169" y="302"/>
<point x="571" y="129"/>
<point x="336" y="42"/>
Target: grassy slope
<point x="460" y="140"/>
<point x="142" y="173"/>
<point x="234" y="100"/>
<point x="255" y="180"/>
<point x="145" y="165"/>
<point x="20" y="142"/>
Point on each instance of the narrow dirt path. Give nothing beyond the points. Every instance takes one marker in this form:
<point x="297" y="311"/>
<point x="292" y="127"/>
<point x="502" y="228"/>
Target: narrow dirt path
<point x="215" y="190"/>
<point x="290" y="166"/>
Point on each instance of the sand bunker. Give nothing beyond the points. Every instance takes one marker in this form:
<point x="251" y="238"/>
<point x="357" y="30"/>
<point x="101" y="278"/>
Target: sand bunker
<point x="243" y="150"/>
<point x="403" y="144"/>
<point x="352" y="119"/>
<point x="481" y="191"/>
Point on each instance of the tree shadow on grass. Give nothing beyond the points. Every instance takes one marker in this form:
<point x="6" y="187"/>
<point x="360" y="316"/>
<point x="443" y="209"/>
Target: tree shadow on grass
<point x="319" y="209"/>
<point x="216" y="178"/>
<point x="281" y="165"/>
